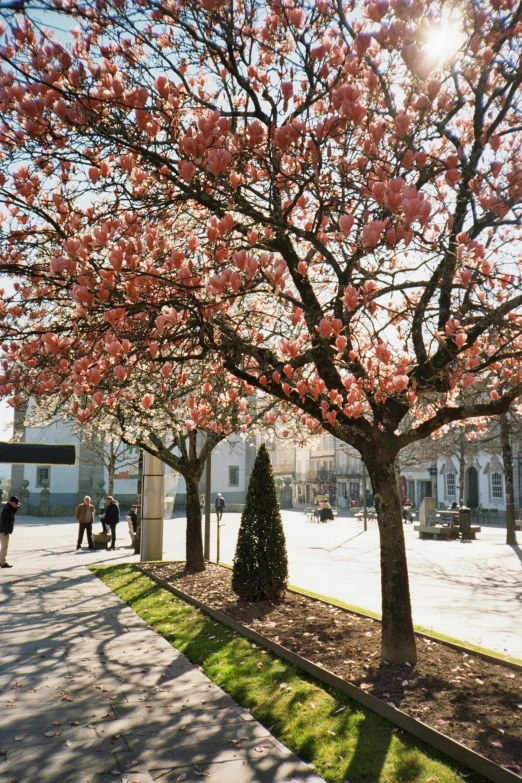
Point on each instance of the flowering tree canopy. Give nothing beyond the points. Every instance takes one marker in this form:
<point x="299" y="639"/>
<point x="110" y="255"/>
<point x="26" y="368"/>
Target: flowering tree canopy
<point x="179" y="420"/>
<point x="321" y="197"/>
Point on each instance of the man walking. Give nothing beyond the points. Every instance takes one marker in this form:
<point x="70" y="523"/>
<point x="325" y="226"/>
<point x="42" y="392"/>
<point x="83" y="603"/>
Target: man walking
<point x="220" y="506"/>
<point x="7" y="520"/>
<point x="111" y="518"/>
<point x="85" y="514"/>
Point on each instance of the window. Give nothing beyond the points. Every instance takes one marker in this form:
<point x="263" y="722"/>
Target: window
<point x="43" y="473"/>
<point x="450" y="485"/>
<point x="496" y="485"/>
<point x="233" y="476"/>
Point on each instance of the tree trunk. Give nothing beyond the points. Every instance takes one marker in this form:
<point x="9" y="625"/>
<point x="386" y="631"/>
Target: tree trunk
<point x="507" y="457"/>
<point x="194" y="541"/>
<point x="398" y="639"/>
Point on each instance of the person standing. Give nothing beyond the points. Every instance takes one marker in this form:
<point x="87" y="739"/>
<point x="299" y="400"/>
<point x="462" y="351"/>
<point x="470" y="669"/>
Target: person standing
<point x="220" y="506"/>
<point x="133" y="513"/>
<point x="111" y="517"/>
<point x="407" y="513"/>
<point x="326" y="512"/>
<point x="85" y="514"/>
<point x="7" y="520"/>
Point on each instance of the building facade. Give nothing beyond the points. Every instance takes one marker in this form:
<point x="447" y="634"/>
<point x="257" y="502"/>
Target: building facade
<point x="432" y="469"/>
<point x="55" y="490"/>
<point x="231" y="464"/>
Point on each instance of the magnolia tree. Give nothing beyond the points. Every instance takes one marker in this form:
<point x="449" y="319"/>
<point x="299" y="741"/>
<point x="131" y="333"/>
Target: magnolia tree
<point x="178" y="419"/>
<point x="322" y="197"/>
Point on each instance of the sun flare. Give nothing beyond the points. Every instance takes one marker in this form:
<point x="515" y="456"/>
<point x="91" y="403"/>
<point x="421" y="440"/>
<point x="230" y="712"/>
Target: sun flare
<point x="443" y="40"/>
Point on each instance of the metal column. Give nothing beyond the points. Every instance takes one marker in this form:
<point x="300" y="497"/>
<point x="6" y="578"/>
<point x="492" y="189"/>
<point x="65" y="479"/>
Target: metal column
<point x="208" y="484"/>
<point x="153" y="500"/>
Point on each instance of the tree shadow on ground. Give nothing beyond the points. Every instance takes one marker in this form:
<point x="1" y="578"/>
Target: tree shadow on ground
<point x="517" y="549"/>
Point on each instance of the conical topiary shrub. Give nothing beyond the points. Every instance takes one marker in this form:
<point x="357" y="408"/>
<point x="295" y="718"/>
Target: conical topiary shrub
<point x="260" y="564"/>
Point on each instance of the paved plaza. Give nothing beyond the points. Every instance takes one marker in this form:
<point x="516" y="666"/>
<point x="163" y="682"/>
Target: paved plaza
<point x="470" y="591"/>
<point x="89" y="692"/>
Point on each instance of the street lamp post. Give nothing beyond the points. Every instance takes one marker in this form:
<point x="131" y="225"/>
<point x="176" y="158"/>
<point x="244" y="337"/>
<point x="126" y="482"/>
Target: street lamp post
<point x="208" y="480"/>
<point x="365" y="509"/>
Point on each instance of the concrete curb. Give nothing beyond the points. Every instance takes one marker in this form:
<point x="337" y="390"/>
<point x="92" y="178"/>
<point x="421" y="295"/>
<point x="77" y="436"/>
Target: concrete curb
<point x="430" y="736"/>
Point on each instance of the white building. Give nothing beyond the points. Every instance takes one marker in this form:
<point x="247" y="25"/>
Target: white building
<point x="68" y="484"/>
<point x="231" y="464"/>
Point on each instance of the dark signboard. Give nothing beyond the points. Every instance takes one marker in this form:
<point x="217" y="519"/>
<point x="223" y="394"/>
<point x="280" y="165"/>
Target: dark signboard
<point x="37" y="453"/>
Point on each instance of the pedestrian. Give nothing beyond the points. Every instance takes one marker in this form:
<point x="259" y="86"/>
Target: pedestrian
<point x="101" y="508"/>
<point x="133" y="513"/>
<point x="407" y="513"/>
<point x="7" y="520"/>
<point x="326" y="511"/>
<point x="202" y="502"/>
<point x="110" y="518"/>
<point x="85" y="514"/>
<point x="317" y="512"/>
<point x="220" y="506"/>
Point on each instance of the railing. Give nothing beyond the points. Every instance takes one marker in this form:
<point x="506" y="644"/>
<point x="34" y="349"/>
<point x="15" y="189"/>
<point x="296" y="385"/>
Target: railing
<point x="285" y="468"/>
<point x="491" y="517"/>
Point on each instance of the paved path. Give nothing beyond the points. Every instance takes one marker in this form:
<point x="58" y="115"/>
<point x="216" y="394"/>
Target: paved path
<point x="90" y="693"/>
<point x="470" y="591"/>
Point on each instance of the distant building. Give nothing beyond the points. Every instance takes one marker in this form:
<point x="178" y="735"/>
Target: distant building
<point x="230" y="469"/>
<point x="66" y="486"/>
<point x="330" y="468"/>
<point x="429" y="470"/>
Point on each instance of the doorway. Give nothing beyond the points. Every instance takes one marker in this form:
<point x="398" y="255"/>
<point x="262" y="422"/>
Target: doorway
<point x="425" y="491"/>
<point x="472" y="489"/>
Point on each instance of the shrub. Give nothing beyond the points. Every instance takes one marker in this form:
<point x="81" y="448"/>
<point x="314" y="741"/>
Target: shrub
<point x="260" y="570"/>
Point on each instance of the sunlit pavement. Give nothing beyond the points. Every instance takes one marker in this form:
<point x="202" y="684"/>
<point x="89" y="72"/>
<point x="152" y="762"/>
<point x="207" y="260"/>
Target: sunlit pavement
<point x="89" y="693"/>
<point x="470" y="591"/>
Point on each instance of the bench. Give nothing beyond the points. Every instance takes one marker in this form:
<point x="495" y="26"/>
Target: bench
<point x="434" y="531"/>
<point x="518" y="524"/>
<point x="438" y="528"/>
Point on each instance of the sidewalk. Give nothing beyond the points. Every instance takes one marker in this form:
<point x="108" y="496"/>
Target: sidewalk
<point x="90" y="693"/>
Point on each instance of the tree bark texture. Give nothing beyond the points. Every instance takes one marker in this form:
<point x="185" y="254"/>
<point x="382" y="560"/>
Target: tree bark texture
<point x="398" y="638"/>
<point x="194" y="541"/>
<point x="507" y="457"/>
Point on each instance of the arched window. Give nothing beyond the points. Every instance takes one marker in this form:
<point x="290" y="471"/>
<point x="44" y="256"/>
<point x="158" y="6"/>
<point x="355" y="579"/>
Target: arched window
<point x="496" y="485"/>
<point x="450" y="485"/>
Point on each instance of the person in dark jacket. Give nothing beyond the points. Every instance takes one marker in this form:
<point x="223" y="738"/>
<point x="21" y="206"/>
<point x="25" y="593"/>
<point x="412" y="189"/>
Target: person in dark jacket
<point x="220" y="506"/>
<point x="111" y="518"/>
<point x="7" y="520"/>
<point x="326" y="511"/>
<point x="133" y="513"/>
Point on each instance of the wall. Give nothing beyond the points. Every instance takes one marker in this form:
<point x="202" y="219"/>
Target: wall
<point x="64" y="478"/>
<point x="232" y="452"/>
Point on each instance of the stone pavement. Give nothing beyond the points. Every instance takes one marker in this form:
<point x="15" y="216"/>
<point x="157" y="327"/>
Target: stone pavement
<point x="90" y="693"/>
<point x="470" y="591"/>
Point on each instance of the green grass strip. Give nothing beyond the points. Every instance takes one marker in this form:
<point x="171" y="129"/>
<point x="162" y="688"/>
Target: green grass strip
<point x="342" y="740"/>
